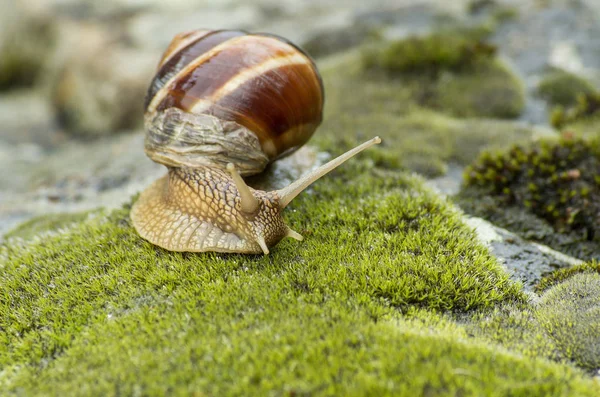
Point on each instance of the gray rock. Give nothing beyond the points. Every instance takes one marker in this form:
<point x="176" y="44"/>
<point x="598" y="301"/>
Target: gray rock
<point x="27" y="118"/>
<point x="76" y="177"/>
<point x="526" y="262"/>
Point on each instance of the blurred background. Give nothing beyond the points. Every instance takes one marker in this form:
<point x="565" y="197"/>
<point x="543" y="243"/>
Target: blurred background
<point x="74" y="73"/>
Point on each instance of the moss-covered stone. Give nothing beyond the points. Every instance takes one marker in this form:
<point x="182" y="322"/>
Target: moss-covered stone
<point x="489" y="90"/>
<point x="587" y="107"/>
<point x="337" y="353"/>
<point x="563" y="326"/>
<point x="563" y="88"/>
<point x="362" y="105"/>
<point x="454" y="72"/>
<point x="522" y="221"/>
<point x="355" y="309"/>
<point x="557" y="180"/>
<point x="97" y="309"/>
<point x="443" y="51"/>
<point x="570" y="313"/>
<point x="562" y="274"/>
<point x="317" y="317"/>
<point x="516" y="328"/>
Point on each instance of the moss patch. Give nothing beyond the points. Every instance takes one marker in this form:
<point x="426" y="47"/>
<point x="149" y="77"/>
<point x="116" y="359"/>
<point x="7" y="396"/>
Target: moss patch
<point x="563" y="88"/>
<point x="556" y="180"/>
<point x="563" y="326"/>
<point x="570" y="313"/>
<point x="431" y="54"/>
<point x="563" y="274"/>
<point x="454" y="72"/>
<point x="489" y="90"/>
<point x="587" y="108"/>
<point x="515" y="327"/>
<point x="355" y="309"/>
<point x="362" y="105"/>
<point x="318" y="317"/>
<point x="340" y="352"/>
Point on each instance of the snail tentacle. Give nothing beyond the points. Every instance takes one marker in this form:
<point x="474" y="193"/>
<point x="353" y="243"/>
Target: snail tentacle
<point x="261" y="241"/>
<point x="287" y="194"/>
<point x="248" y="202"/>
<point x="293" y="234"/>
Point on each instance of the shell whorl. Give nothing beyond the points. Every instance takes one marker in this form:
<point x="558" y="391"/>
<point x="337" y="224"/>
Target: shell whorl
<point x="235" y="97"/>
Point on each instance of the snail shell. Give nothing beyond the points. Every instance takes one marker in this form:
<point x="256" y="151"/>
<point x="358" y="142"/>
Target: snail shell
<point x="225" y="104"/>
<point x="223" y="97"/>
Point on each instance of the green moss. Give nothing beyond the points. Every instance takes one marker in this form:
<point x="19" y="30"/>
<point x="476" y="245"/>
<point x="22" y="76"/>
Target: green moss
<point x="399" y="107"/>
<point x="587" y="107"/>
<point x="570" y="313"/>
<point x="362" y="105"/>
<point x="515" y="327"/>
<point x="564" y="326"/>
<point x="355" y="309"/>
<point x="586" y="127"/>
<point x="554" y="179"/>
<point x="563" y="88"/>
<point x="452" y="72"/>
<point x="432" y="54"/>
<point x="339" y="353"/>
<point x="46" y="223"/>
<point x="562" y="274"/>
<point x="313" y="317"/>
<point x="490" y="90"/>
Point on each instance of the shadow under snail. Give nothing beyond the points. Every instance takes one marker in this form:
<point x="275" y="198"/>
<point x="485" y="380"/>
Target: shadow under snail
<point x="222" y="105"/>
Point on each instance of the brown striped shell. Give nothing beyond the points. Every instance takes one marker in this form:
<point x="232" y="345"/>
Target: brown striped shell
<point x="229" y="96"/>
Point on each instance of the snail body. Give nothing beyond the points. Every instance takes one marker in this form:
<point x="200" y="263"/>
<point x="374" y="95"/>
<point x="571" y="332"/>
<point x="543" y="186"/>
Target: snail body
<point x="222" y="105"/>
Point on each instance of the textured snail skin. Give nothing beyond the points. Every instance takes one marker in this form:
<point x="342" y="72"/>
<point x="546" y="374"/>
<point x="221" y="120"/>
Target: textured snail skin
<point x="225" y="104"/>
<point x="200" y="210"/>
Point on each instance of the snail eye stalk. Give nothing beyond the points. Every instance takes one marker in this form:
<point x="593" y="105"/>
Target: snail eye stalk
<point x="287" y="194"/>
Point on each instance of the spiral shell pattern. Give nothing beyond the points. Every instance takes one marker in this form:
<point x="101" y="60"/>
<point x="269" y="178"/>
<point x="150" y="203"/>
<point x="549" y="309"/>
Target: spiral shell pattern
<point x="258" y="81"/>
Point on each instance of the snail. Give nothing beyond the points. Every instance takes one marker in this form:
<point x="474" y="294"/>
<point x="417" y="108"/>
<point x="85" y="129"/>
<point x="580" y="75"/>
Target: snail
<point x="224" y="104"/>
